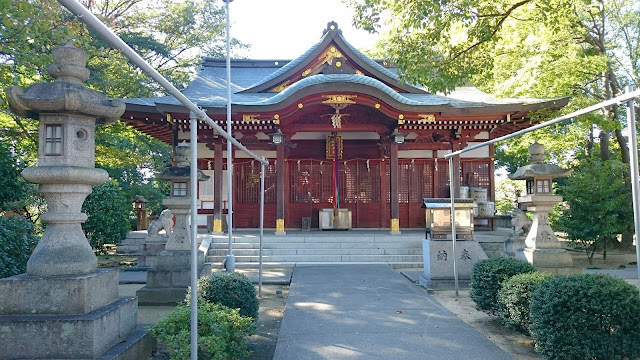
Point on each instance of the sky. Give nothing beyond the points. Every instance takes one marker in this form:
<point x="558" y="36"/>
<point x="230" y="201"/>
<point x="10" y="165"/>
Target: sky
<point x="285" y="29"/>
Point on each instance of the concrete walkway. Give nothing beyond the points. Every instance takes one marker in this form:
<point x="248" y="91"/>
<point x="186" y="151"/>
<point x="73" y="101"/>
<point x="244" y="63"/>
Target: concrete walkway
<point x="371" y="312"/>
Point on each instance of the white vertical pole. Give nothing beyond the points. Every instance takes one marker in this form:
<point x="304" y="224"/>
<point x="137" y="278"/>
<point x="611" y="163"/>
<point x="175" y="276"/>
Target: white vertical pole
<point x="452" y="192"/>
<point x="193" y="192"/>
<point x="262" y="169"/>
<point x="633" y="163"/>
<point x="230" y="261"/>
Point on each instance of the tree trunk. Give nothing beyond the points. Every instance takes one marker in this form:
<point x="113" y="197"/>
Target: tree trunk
<point x="604" y="145"/>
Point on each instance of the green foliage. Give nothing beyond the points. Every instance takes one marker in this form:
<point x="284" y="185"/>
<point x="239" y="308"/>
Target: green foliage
<point x="586" y="317"/>
<point x="507" y="193"/>
<point x="487" y="277"/>
<point x="17" y="241"/>
<point x="222" y="332"/>
<point x="515" y="299"/>
<point x="234" y="290"/>
<point x="12" y="185"/>
<point x="108" y="212"/>
<point x="597" y="208"/>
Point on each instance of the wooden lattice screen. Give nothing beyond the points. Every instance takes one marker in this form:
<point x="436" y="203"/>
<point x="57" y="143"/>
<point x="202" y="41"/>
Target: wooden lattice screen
<point x="247" y="177"/>
<point x="476" y="174"/>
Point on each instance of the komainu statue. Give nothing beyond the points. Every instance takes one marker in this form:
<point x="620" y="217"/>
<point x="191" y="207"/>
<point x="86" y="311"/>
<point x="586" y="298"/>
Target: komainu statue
<point x="520" y="221"/>
<point x="165" y="221"/>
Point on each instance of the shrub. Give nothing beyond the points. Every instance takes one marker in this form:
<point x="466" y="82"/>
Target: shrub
<point x="234" y="290"/>
<point x="108" y="216"/>
<point x="515" y="299"/>
<point x="17" y="241"/>
<point x="584" y="317"/>
<point x="222" y="332"/>
<point x="487" y="277"/>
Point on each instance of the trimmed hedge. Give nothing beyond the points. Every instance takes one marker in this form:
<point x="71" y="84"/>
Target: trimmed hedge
<point x="515" y="299"/>
<point x="222" y="332"/>
<point x="487" y="277"/>
<point x="587" y="316"/>
<point x="234" y="290"/>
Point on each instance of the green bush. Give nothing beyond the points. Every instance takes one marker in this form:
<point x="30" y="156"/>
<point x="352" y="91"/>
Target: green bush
<point x="585" y="317"/>
<point x="515" y="299"/>
<point x="487" y="277"/>
<point x="222" y="332"/>
<point x="234" y="290"/>
<point x="17" y="241"/>
<point x="108" y="216"/>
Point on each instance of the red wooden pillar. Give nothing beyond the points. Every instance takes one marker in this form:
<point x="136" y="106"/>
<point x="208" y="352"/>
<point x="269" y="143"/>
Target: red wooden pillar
<point x="395" y="206"/>
<point x="217" y="185"/>
<point x="383" y="193"/>
<point x="280" y="186"/>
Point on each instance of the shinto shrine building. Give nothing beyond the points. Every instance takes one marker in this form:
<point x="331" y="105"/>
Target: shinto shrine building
<point x="343" y="116"/>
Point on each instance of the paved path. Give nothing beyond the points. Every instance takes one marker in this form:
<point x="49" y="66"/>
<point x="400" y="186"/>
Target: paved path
<point x="371" y="312"/>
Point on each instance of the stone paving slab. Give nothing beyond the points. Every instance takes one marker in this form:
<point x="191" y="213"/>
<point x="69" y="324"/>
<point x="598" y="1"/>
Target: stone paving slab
<point x="371" y="312"/>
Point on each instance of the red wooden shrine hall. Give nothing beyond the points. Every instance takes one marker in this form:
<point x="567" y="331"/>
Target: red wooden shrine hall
<point x="355" y="137"/>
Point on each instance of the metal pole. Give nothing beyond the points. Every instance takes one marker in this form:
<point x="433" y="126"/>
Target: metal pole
<point x="262" y="169"/>
<point x="453" y="222"/>
<point x="230" y="261"/>
<point x="193" y="192"/>
<point x="117" y="43"/>
<point x="615" y="101"/>
<point x="633" y="162"/>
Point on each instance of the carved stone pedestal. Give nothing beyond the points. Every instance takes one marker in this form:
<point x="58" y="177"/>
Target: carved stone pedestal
<point x="69" y="317"/>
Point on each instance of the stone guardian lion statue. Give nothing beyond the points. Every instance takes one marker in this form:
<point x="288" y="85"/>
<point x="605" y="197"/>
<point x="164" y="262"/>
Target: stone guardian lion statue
<point x="165" y="221"/>
<point x="520" y="221"/>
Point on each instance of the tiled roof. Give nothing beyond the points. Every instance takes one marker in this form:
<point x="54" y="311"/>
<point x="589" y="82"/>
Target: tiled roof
<point x="209" y="88"/>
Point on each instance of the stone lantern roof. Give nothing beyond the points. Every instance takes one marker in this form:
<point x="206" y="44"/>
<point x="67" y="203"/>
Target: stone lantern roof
<point x="66" y="94"/>
<point x="182" y="170"/>
<point x="537" y="168"/>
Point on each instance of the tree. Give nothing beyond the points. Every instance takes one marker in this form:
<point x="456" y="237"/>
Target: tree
<point x="108" y="216"/>
<point x="596" y="213"/>
<point x="541" y="48"/>
<point x="171" y="35"/>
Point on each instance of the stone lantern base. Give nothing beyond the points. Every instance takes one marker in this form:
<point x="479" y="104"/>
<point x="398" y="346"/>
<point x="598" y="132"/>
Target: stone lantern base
<point x="553" y="261"/>
<point x="70" y="317"/>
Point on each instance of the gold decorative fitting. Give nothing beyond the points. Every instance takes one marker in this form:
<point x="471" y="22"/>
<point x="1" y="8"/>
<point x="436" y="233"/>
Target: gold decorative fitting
<point x="168" y="119"/>
<point x="250" y="118"/>
<point x="332" y="27"/>
<point x="338" y="64"/>
<point x="300" y="105"/>
<point x="358" y="72"/>
<point x="276" y="63"/>
<point x="276" y="117"/>
<point x="281" y="87"/>
<point x="377" y="106"/>
<point x="426" y="118"/>
<point x="338" y="99"/>
<point x="280" y="225"/>
<point x="329" y="55"/>
<point x="333" y="141"/>
<point x="306" y="72"/>
<point x="395" y="225"/>
<point x="508" y="117"/>
<point x="400" y="117"/>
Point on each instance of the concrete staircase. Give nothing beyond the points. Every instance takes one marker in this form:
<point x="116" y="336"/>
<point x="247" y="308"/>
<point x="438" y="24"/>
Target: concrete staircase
<point x="321" y="248"/>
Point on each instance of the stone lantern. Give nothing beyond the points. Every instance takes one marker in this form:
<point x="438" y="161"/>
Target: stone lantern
<point x="542" y="248"/>
<point x="168" y="280"/>
<point x="139" y="205"/>
<point x="64" y="306"/>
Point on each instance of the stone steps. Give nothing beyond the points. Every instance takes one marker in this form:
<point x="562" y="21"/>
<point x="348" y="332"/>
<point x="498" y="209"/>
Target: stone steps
<point x="320" y="248"/>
